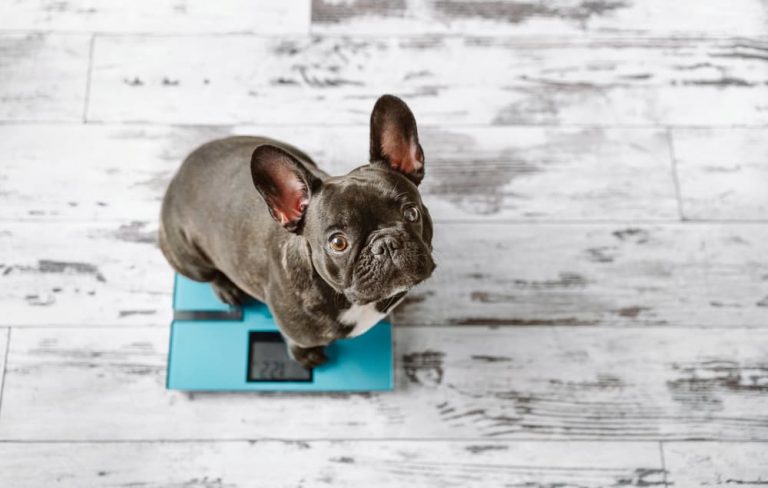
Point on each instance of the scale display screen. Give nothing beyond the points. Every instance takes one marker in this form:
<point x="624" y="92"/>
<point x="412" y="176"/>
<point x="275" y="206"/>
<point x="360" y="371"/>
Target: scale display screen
<point x="268" y="359"/>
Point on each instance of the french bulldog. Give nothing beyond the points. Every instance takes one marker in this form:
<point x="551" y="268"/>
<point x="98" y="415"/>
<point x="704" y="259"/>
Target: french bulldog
<point x="329" y="255"/>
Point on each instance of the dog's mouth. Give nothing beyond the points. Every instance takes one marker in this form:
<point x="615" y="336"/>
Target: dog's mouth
<point x="383" y="302"/>
<point x="366" y="293"/>
<point x="387" y="282"/>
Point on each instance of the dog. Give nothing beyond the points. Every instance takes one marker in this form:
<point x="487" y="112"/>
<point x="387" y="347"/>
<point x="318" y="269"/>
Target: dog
<point x="329" y="255"/>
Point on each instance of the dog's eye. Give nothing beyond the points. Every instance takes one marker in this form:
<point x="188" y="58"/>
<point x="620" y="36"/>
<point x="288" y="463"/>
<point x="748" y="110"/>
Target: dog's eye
<point x="338" y="242"/>
<point x="411" y="214"/>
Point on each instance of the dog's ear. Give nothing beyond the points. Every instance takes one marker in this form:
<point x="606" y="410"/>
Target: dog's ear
<point x="394" y="138"/>
<point x="284" y="183"/>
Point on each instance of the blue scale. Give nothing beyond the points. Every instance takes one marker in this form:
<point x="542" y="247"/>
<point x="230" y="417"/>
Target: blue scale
<point x="216" y="347"/>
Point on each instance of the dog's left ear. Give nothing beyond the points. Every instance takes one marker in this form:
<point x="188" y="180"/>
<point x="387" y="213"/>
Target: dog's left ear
<point x="284" y="183"/>
<point x="395" y="140"/>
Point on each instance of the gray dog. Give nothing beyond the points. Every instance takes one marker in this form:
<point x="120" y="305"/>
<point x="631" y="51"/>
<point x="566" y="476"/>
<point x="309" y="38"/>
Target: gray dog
<point x="329" y="255"/>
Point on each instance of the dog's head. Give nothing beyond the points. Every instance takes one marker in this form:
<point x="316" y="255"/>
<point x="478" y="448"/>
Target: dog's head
<point x="369" y="233"/>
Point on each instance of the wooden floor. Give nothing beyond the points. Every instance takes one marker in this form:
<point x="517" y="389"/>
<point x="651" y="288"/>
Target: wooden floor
<point x="598" y="174"/>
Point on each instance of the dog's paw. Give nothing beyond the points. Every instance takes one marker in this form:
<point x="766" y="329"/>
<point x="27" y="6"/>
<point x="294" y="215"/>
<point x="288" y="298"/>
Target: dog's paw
<point x="228" y="292"/>
<point x="309" y="357"/>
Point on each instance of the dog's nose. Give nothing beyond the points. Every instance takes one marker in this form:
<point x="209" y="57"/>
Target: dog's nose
<point x="384" y="244"/>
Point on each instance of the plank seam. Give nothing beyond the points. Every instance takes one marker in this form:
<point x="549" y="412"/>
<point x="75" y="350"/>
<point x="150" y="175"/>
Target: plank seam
<point x="342" y="125"/>
<point x="5" y="368"/>
<point x="483" y="440"/>
<point x="525" y="39"/>
<point x="88" y="75"/>
<point x="674" y="172"/>
<point x="663" y="463"/>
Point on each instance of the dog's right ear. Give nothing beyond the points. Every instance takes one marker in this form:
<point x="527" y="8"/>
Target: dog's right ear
<point x="395" y="140"/>
<point x="284" y="183"/>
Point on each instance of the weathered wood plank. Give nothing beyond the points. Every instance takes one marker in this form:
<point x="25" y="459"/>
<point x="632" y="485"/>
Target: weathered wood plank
<point x="340" y="464"/>
<point x="447" y="80"/>
<point x="91" y="172"/>
<point x="612" y="274"/>
<point x="461" y="383"/>
<point x="488" y="173"/>
<point x="43" y="77"/>
<point x="526" y="17"/>
<point x="75" y="273"/>
<point x="723" y="174"/>
<point x="153" y="16"/>
<point x="716" y="464"/>
<point x="4" y="333"/>
<point x="504" y="274"/>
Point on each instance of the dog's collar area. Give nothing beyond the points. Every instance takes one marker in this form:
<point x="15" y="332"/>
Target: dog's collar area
<point x="385" y="305"/>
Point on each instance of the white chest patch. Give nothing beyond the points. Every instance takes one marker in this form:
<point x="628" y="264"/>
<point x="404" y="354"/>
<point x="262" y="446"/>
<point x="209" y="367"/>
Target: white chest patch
<point x="362" y="317"/>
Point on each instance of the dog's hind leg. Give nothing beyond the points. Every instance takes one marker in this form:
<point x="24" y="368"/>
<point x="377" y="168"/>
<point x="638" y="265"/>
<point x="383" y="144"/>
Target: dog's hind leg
<point x="227" y="291"/>
<point x="189" y="260"/>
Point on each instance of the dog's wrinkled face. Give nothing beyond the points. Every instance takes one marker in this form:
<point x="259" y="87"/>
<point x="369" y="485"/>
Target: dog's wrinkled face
<point x="369" y="233"/>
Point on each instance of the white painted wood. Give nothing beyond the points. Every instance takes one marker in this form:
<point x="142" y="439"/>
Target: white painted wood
<point x="566" y="17"/>
<point x="723" y="174"/>
<point x="519" y="274"/>
<point x="78" y="207"/>
<point x="446" y="80"/>
<point x="716" y="464"/>
<point x="91" y="172"/>
<point x="611" y="274"/>
<point x="277" y="464"/>
<point x="102" y="172"/>
<point x="153" y="16"/>
<point x="43" y="77"/>
<point x="547" y="173"/>
<point x="460" y="383"/>
<point x="81" y="273"/>
<point x="4" y="333"/>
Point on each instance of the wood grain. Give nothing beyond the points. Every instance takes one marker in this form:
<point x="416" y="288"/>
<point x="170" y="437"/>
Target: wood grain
<point x="340" y="464"/>
<point x="564" y="141"/>
<point x="610" y="274"/>
<point x="81" y="273"/>
<point x="723" y="174"/>
<point x="43" y="77"/>
<point x="476" y="174"/>
<point x="461" y="383"/>
<point x="4" y="334"/>
<point x="153" y="16"/>
<point x="446" y="80"/>
<point x="716" y="464"/>
<point x="526" y="17"/>
<point x="112" y="273"/>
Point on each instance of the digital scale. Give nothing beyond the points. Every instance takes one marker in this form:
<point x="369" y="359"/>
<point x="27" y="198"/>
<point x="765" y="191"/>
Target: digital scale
<point x="217" y="347"/>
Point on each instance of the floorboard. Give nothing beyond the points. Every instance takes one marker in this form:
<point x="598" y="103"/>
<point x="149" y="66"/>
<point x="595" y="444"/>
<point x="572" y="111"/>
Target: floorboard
<point x="716" y="464"/>
<point x="339" y="464"/>
<point x="43" y="77"/>
<point x="157" y="16"/>
<point x="447" y="80"/>
<point x="583" y="275"/>
<point x="113" y="272"/>
<point x="473" y="173"/>
<point x="520" y="17"/>
<point x="4" y="343"/>
<point x="596" y="170"/>
<point x="611" y="274"/>
<point x="723" y="173"/>
<point x="451" y="383"/>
